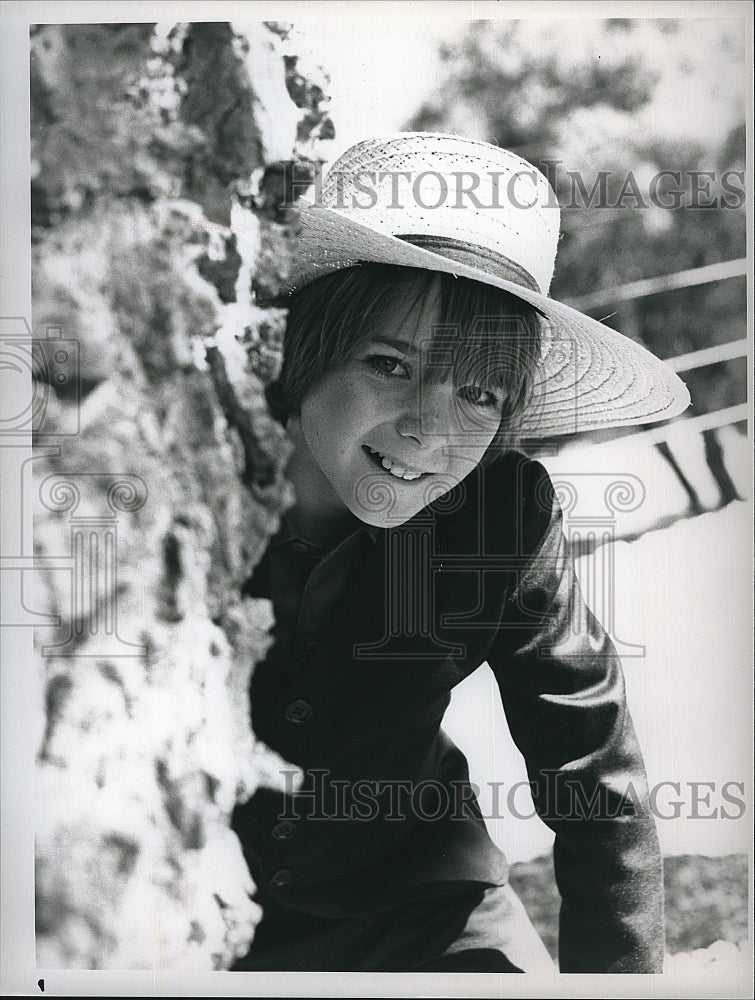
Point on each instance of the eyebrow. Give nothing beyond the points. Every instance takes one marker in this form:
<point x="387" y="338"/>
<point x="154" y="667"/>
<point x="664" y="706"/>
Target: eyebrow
<point x="406" y="346"/>
<point x="497" y="378"/>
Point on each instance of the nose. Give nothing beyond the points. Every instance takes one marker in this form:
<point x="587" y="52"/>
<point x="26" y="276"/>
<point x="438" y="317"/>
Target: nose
<point x="429" y="414"/>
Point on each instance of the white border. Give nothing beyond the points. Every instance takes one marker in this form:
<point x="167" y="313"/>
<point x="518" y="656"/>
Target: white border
<point x="18" y="972"/>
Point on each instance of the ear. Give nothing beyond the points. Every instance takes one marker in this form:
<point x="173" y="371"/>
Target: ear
<point x="294" y="429"/>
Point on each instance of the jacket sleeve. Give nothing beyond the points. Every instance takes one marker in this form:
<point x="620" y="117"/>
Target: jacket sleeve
<point x="563" y="693"/>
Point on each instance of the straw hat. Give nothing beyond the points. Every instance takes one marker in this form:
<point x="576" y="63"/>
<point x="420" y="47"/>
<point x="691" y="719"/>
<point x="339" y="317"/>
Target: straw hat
<point x="446" y="203"/>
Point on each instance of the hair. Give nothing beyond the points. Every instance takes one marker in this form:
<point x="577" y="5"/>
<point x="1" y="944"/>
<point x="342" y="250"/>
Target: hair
<point x="495" y="336"/>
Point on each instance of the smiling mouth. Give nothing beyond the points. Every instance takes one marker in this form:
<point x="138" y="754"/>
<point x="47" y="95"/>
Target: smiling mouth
<point x="396" y="469"/>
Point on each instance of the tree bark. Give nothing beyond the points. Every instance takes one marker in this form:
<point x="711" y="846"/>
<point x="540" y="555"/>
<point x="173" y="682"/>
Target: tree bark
<point x="158" y="472"/>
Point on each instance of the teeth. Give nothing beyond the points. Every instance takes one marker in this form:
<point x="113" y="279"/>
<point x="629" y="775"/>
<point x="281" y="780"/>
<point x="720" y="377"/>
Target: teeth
<point x="394" y="468"/>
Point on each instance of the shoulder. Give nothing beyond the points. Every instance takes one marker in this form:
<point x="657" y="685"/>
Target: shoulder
<point x="503" y="507"/>
<point x="528" y="477"/>
<point x="522" y="487"/>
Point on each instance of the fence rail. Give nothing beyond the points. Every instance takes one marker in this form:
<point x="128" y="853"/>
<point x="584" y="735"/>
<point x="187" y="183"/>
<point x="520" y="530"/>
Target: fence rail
<point x="693" y="359"/>
<point x="708" y="356"/>
<point x="662" y="283"/>
<point x="705" y="422"/>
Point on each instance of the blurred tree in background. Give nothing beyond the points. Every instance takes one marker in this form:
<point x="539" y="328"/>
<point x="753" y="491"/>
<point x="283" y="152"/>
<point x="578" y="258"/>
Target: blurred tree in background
<point x="573" y="111"/>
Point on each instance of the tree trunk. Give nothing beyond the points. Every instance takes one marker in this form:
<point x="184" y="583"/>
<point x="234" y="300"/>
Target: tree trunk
<point x="157" y="471"/>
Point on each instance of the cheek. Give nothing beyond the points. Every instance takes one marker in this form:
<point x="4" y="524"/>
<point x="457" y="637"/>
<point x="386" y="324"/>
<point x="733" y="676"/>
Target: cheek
<point x="333" y="414"/>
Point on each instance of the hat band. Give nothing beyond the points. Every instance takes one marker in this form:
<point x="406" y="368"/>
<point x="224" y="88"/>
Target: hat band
<point x="496" y="264"/>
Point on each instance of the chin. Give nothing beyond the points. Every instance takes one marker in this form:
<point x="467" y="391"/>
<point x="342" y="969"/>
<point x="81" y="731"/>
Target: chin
<point x="382" y="504"/>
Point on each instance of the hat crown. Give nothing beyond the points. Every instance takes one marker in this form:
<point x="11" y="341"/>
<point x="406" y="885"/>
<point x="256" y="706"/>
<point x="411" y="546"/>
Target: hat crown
<point x="455" y="192"/>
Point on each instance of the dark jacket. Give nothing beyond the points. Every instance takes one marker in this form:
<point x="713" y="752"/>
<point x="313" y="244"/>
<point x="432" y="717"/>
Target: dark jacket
<point x="387" y="814"/>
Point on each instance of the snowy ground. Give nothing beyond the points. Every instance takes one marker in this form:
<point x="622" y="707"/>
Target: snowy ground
<point x="679" y="605"/>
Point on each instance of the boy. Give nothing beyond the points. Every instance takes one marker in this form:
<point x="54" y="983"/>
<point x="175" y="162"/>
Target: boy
<point x="420" y="344"/>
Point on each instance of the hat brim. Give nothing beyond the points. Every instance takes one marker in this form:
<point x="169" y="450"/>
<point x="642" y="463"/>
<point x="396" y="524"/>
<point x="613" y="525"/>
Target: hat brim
<point x="590" y="377"/>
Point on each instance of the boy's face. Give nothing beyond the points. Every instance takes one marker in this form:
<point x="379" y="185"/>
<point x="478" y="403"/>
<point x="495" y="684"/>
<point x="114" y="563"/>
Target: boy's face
<point x="388" y="432"/>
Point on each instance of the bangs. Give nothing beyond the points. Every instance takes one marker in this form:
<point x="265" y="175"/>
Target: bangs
<point x="492" y="337"/>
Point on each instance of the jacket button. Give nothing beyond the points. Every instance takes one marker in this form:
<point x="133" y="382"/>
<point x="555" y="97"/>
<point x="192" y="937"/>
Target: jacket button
<point x="298" y="711"/>
<point x="281" y="878"/>
<point x="283" y="830"/>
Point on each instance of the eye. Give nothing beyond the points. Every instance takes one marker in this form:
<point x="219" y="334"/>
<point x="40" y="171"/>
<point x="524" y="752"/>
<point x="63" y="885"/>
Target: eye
<point x="484" y="398"/>
<point x="384" y="364"/>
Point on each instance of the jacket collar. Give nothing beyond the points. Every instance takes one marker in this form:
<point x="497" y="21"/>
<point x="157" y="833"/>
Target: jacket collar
<point x="288" y="533"/>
